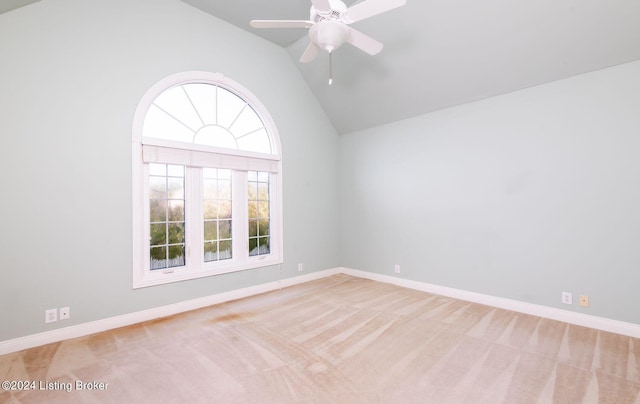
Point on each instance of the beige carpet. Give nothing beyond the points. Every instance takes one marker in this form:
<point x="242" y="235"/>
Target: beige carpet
<point x="336" y="340"/>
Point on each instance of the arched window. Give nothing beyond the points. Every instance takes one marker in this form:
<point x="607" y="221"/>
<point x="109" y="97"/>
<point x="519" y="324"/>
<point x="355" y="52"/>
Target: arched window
<point x="206" y="181"/>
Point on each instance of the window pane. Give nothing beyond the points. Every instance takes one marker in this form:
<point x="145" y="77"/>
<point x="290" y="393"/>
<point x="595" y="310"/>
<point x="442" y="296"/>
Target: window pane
<point x="203" y="97"/>
<point x="160" y="125"/>
<point x="176" y="256"/>
<point x="210" y="251"/>
<point x="210" y="189"/>
<point x="229" y="107"/>
<point x="176" y="103"/>
<point x="215" y="136"/>
<point x="176" y="188"/>
<point x="176" y="211"/>
<point x="263" y="209"/>
<point x="157" y="210"/>
<point x="158" y="257"/>
<point x="211" y="231"/>
<point x="252" y="191"/>
<point x="247" y="122"/>
<point x="253" y="228"/>
<point x="263" y="176"/>
<point x="256" y="141"/>
<point x="253" y="246"/>
<point x="224" y="189"/>
<point x="253" y="209"/>
<point x="210" y="172"/>
<point x="258" y="211"/>
<point x="158" y="187"/>
<point x="263" y="191"/>
<point x="224" y="209"/>
<point x="259" y="246"/>
<point x="158" y="169"/>
<point x="210" y="210"/>
<point x="158" y="234"/>
<point x="263" y="227"/>
<point x="216" y="206"/>
<point x="264" y="245"/>
<point x="224" y="229"/>
<point x="176" y="233"/>
<point x="175" y="171"/>
<point x="167" y="216"/>
<point x="224" y="251"/>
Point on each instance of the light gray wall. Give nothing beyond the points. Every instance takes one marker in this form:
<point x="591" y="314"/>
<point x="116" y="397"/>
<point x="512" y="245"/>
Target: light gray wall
<point x="71" y="75"/>
<point x="520" y="196"/>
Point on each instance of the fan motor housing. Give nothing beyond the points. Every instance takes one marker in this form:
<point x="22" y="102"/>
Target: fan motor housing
<point x="337" y="8"/>
<point x="329" y="34"/>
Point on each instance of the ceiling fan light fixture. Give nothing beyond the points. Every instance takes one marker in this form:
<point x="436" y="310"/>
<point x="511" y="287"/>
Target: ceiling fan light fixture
<point x="329" y="34"/>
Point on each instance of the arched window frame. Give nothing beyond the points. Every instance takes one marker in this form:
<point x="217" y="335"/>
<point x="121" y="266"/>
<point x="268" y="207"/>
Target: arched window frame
<point x="146" y="150"/>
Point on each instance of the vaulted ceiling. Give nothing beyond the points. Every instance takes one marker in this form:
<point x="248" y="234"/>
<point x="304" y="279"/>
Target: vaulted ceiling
<point x="439" y="53"/>
<point x="442" y="53"/>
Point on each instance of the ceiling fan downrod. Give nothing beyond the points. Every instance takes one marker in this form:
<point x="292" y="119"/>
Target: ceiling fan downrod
<point x="330" y="68"/>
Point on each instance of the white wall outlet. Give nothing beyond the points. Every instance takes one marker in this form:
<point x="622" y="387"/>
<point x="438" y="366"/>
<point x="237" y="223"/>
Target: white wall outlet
<point x="567" y="298"/>
<point x="396" y="268"/>
<point x="300" y="267"/>
<point x="51" y="315"/>
<point x="65" y="313"/>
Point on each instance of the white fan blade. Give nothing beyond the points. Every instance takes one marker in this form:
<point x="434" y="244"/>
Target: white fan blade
<point x="321" y="5"/>
<point x="364" y="42"/>
<point x="369" y="8"/>
<point x="310" y="53"/>
<point x="280" y="24"/>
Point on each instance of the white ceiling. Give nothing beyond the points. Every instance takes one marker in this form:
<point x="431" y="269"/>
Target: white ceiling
<point x="441" y="53"/>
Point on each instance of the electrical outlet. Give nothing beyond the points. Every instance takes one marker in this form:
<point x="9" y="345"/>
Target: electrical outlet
<point x="567" y="298"/>
<point x="65" y="313"/>
<point x="51" y="315"/>
<point x="396" y="269"/>
<point x="300" y="267"/>
<point x="584" y="300"/>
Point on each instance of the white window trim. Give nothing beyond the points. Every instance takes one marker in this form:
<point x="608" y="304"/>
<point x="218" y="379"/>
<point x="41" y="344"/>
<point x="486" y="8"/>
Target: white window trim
<point x="145" y="149"/>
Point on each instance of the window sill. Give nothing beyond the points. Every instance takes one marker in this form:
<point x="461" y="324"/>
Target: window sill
<point x="160" y="277"/>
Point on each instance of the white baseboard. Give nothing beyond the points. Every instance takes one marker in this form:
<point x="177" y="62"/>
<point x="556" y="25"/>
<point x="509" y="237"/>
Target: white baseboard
<point x="80" y="330"/>
<point x="599" y="323"/>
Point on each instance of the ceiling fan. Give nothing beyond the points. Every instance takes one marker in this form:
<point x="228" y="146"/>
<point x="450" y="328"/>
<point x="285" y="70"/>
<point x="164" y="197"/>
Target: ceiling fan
<point x="329" y="28"/>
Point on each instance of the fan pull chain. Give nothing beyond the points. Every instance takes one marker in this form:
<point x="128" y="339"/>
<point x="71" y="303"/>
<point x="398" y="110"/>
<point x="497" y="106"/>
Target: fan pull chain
<point x="330" y="68"/>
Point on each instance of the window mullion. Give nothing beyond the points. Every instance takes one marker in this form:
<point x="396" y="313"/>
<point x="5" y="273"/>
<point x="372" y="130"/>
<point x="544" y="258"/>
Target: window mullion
<point x="240" y="220"/>
<point x="146" y="217"/>
<point x="194" y="231"/>
<point x="275" y="209"/>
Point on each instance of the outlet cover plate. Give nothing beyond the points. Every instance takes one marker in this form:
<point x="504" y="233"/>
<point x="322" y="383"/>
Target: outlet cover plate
<point x="584" y="300"/>
<point x="51" y="316"/>
<point x="65" y="313"/>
